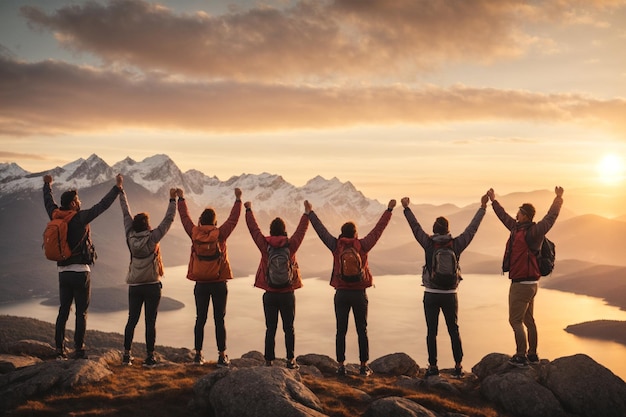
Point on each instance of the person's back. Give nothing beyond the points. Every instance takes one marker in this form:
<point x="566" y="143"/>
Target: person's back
<point x="144" y="273"/>
<point x="278" y="257"/>
<point x="440" y="292"/>
<point x="74" y="272"/>
<point x="521" y="264"/>
<point x="210" y="273"/>
<point x="350" y="288"/>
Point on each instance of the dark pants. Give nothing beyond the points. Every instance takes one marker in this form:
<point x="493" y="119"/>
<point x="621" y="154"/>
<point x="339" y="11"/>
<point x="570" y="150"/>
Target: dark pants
<point x="273" y="304"/>
<point x="357" y="301"/>
<point x="203" y="293"/>
<point x="138" y="295"/>
<point x="449" y="305"/>
<point x="73" y="287"/>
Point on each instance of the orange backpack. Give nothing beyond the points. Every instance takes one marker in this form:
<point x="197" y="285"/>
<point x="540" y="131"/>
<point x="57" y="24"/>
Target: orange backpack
<point x="55" y="245"/>
<point x="206" y="254"/>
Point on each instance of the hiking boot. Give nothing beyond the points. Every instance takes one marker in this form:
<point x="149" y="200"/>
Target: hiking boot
<point x="458" y="373"/>
<point x="341" y="371"/>
<point x="518" y="361"/>
<point x="292" y="364"/>
<point x="61" y="355"/>
<point x="150" y="362"/>
<point x="127" y="360"/>
<point x="198" y="359"/>
<point x="365" y="370"/>
<point x="532" y="358"/>
<point x="80" y="354"/>
<point x="268" y="363"/>
<point x="222" y="361"/>
<point x="432" y="371"/>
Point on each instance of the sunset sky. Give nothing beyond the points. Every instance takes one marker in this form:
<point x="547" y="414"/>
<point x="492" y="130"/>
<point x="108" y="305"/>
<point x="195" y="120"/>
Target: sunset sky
<point x="438" y="100"/>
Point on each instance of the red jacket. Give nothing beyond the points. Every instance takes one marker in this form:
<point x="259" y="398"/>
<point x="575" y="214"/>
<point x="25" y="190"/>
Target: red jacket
<point x="519" y="259"/>
<point x="262" y="242"/>
<point x="225" y="230"/>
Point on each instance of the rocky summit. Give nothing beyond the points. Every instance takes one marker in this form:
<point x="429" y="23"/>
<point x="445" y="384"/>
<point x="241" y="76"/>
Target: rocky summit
<point x="572" y="386"/>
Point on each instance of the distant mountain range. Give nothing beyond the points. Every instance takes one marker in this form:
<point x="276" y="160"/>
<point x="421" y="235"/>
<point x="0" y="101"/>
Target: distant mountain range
<point x="579" y="236"/>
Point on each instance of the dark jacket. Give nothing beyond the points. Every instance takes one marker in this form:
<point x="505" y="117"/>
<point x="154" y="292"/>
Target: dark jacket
<point x="367" y="243"/>
<point x="78" y="231"/>
<point x="522" y="265"/>
<point x="262" y="243"/>
<point x="427" y="242"/>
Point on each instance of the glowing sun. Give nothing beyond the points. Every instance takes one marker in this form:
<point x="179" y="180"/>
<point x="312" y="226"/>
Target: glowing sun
<point x="611" y="169"/>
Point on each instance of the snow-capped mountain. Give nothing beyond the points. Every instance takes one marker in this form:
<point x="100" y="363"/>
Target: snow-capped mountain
<point x="269" y="193"/>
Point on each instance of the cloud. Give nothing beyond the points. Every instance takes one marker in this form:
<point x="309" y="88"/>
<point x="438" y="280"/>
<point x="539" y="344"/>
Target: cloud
<point x="19" y="155"/>
<point x="53" y="97"/>
<point x="310" y="40"/>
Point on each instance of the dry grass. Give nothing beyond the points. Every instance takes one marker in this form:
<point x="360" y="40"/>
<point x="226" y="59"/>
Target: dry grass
<point x="341" y="396"/>
<point x="130" y="391"/>
<point x="166" y="391"/>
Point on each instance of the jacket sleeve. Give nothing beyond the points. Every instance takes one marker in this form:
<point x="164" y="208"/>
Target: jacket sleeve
<point x="48" y="199"/>
<point x="255" y="231"/>
<point x="229" y="225"/>
<point x="420" y="235"/>
<point x="87" y="216"/>
<point x="128" y="217"/>
<point x="183" y="211"/>
<point x="296" y="239"/>
<point x="508" y="221"/>
<point x="158" y="233"/>
<point x="327" y="239"/>
<point x="463" y="240"/>
<point x="368" y="242"/>
<point x="539" y="230"/>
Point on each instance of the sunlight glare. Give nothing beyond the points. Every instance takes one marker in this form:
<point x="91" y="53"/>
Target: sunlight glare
<point x="611" y="169"/>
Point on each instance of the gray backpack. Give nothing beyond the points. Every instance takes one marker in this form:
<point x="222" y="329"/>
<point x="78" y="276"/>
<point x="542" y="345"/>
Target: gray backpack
<point x="280" y="269"/>
<point x="445" y="271"/>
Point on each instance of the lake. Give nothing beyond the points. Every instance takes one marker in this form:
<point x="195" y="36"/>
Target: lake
<point x="396" y="321"/>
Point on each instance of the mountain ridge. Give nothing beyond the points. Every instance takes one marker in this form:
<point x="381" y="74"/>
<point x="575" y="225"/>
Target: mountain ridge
<point x="578" y="237"/>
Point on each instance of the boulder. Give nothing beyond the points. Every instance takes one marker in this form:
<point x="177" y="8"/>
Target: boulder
<point x="9" y="363"/>
<point x="585" y="387"/>
<point x="519" y="394"/>
<point x="395" y="364"/>
<point x="257" y="391"/>
<point x="31" y="348"/>
<point x="573" y="384"/>
<point x="493" y="363"/>
<point x="43" y="378"/>
<point x="397" y="407"/>
<point x="324" y="363"/>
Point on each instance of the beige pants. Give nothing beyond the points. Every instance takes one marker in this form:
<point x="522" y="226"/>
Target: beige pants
<point x="521" y="305"/>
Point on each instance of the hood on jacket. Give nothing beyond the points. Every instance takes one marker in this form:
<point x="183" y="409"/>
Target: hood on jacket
<point x="276" y="241"/>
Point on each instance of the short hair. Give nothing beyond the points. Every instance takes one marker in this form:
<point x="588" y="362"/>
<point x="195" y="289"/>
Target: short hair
<point x="141" y="222"/>
<point x="277" y="227"/>
<point x="208" y="217"/>
<point x="67" y="198"/>
<point x="528" y="209"/>
<point x="348" y="230"/>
